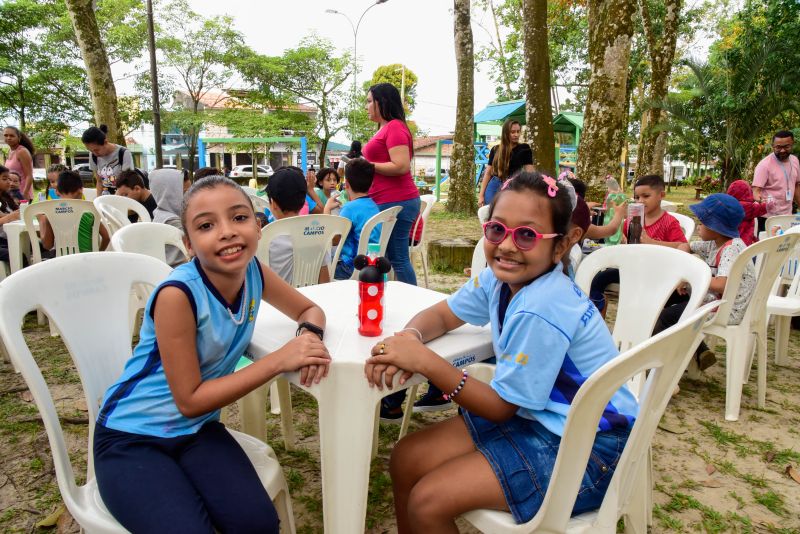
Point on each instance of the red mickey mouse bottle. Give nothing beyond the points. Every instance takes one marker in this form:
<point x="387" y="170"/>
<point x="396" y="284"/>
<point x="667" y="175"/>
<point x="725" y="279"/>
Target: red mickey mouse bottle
<point x="370" y="292"/>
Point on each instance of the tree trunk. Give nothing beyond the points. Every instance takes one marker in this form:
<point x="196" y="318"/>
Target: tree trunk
<point x="323" y="148"/>
<point x="98" y="69"/>
<point x="461" y="197"/>
<point x="538" y="111"/>
<point x="610" y="31"/>
<point x="662" y="54"/>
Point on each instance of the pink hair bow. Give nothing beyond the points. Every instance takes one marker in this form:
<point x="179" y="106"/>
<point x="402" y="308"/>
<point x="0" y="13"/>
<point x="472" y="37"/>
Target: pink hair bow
<point x="552" y="188"/>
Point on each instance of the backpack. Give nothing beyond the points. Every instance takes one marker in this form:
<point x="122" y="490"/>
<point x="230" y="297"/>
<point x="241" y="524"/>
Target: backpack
<point x="120" y="155"/>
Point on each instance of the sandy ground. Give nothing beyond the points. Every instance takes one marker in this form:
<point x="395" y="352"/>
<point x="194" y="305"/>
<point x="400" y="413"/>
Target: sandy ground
<point x="710" y="475"/>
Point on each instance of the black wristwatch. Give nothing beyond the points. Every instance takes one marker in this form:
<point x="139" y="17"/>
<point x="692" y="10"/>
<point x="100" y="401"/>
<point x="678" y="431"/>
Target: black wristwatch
<point x="314" y="329"/>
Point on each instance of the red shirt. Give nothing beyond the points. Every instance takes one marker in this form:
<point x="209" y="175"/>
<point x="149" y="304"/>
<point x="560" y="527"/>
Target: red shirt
<point x="384" y="188"/>
<point x="665" y="228"/>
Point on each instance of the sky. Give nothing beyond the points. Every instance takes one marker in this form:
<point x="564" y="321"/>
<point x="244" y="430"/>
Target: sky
<point x="417" y="33"/>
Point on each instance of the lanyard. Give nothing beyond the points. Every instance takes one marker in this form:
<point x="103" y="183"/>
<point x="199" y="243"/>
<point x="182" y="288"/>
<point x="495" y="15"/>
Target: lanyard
<point x="785" y="174"/>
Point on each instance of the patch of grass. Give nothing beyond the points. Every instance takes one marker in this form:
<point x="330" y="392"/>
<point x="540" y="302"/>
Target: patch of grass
<point x="667" y="521"/>
<point x="771" y="501"/>
<point x="294" y="480"/>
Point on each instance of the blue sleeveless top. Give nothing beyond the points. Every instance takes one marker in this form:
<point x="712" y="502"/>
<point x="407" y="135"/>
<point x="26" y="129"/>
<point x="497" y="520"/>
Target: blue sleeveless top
<point x="140" y="402"/>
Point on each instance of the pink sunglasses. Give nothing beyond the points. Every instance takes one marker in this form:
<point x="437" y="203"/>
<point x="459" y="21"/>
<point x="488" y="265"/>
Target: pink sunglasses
<point x="524" y="237"/>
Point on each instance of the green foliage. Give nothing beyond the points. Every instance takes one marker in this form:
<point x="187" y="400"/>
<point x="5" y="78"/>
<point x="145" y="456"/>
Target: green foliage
<point x="567" y="38"/>
<point x="313" y="73"/>
<point x="43" y="85"/>
<point x="728" y="107"/>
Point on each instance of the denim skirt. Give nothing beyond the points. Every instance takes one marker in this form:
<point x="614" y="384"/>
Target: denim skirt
<point x="522" y="453"/>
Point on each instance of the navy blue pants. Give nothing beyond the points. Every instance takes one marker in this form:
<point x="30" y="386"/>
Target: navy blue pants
<point x="600" y="282"/>
<point x="192" y="484"/>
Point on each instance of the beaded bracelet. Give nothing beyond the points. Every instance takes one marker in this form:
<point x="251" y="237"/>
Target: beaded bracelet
<point x="464" y="375"/>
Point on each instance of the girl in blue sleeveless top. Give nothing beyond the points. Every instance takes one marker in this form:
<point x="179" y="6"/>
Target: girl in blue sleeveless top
<point x="548" y="337"/>
<point x="163" y="460"/>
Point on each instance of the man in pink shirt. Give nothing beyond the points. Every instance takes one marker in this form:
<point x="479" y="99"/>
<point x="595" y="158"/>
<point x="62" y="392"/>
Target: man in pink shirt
<point x="777" y="177"/>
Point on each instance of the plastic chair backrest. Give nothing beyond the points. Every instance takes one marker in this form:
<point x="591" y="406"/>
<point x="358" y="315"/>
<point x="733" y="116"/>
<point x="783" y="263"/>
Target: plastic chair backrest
<point x="64" y="216"/>
<point x="125" y="205"/>
<point x="89" y="193"/>
<point x="427" y="205"/>
<point x="772" y="254"/>
<point x="312" y="237"/>
<point x="387" y="219"/>
<point x="785" y="223"/>
<point x="483" y="213"/>
<point x="113" y="219"/>
<point x="687" y="224"/>
<point x="648" y="275"/>
<point x="251" y="191"/>
<point x="478" y="259"/>
<point x="148" y="238"/>
<point x="98" y="292"/>
<point x="664" y="357"/>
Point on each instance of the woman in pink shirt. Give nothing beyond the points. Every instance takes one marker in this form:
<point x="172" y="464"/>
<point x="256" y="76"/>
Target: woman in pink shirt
<point x="20" y="158"/>
<point x="390" y="150"/>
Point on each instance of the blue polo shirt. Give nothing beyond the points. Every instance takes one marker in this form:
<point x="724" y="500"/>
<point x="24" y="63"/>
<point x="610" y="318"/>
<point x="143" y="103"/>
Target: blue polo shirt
<point x="140" y="402"/>
<point x="359" y="211"/>
<point x="548" y="340"/>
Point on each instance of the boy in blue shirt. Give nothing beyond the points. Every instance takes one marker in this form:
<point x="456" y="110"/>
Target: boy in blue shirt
<point x="358" y="179"/>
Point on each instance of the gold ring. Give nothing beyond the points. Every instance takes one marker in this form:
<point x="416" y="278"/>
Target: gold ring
<point x="382" y="349"/>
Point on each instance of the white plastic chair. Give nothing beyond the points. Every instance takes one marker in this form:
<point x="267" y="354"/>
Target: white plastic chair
<point x="664" y="357"/>
<point x="648" y="275"/>
<point x="124" y="205"/>
<point x="312" y="237"/>
<point x="784" y="308"/>
<point x="64" y="216"/>
<point x="251" y="191"/>
<point x="89" y="193"/>
<point x="113" y="219"/>
<point x="671" y="207"/>
<point x="148" y="238"/>
<point x="99" y="286"/>
<point x="575" y="256"/>
<point x="483" y="213"/>
<point x="387" y="219"/>
<point x="739" y="338"/>
<point x="687" y="224"/>
<point x="785" y="223"/>
<point x="422" y="245"/>
<point x="478" y="259"/>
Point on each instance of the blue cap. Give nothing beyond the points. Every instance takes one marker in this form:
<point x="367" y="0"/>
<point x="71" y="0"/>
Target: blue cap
<point x="721" y="213"/>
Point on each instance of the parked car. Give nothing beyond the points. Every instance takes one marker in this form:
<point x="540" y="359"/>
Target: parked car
<point x="84" y="170"/>
<point x="246" y="171"/>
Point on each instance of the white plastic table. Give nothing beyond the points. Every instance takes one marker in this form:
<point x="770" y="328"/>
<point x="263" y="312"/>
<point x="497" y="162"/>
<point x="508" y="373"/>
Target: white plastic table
<point x="346" y="402"/>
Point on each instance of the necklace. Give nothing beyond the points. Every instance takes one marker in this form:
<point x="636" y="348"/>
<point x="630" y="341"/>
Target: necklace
<point x="240" y="320"/>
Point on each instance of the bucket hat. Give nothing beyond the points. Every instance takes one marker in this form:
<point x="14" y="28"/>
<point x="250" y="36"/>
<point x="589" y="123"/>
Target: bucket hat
<point x="721" y="213"/>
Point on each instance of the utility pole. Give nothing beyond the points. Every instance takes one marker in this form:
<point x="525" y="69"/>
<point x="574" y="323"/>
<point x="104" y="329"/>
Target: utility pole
<point x="151" y="45"/>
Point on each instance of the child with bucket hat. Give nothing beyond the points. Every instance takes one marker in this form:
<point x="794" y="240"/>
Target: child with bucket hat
<point x="720" y="215"/>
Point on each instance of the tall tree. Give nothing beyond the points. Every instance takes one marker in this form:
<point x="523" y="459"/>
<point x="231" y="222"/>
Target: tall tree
<point x="312" y="73"/>
<point x="605" y="117"/>
<point x="538" y="111"/>
<point x="461" y="197"/>
<point x="661" y="51"/>
<point x="98" y="68"/>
